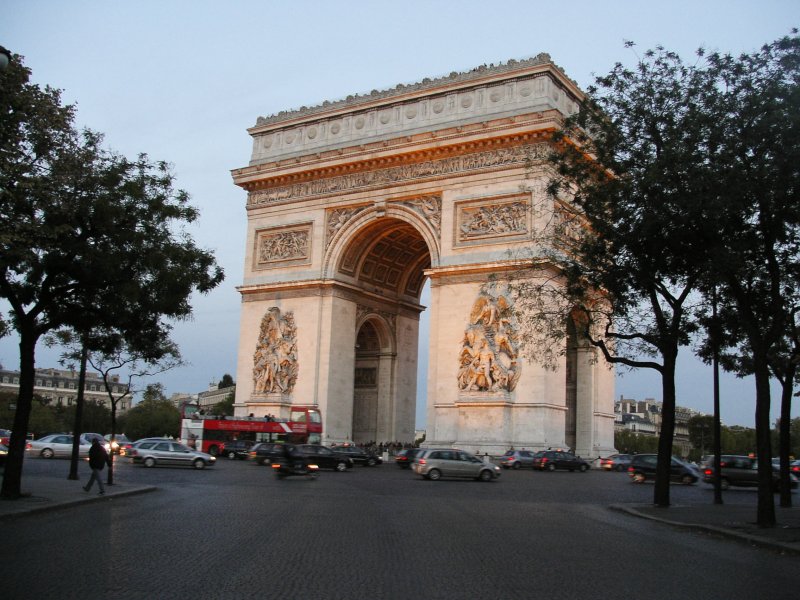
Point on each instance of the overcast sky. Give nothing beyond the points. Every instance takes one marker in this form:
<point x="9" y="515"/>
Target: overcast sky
<point x="182" y="80"/>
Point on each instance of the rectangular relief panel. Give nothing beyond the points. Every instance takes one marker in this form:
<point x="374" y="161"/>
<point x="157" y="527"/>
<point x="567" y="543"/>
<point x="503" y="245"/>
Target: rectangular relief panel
<point x="282" y="246"/>
<point x="493" y="220"/>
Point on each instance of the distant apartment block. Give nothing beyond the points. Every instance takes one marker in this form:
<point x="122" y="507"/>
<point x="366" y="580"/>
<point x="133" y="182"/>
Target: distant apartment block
<point x="60" y="387"/>
<point x="644" y="417"/>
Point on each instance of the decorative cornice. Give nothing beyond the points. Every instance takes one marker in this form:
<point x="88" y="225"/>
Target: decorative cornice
<point x="357" y="100"/>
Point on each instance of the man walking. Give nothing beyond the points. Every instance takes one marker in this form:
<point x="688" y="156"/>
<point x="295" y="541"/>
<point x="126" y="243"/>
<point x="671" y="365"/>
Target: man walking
<point x="98" y="458"/>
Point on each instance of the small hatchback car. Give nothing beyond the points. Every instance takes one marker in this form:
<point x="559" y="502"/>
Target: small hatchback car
<point x="435" y="464"/>
<point x="550" y="460"/>
<point x="516" y="459"/>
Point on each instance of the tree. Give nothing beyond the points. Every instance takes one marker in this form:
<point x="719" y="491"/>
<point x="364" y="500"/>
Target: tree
<point x="755" y="244"/>
<point x="83" y="232"/>
<point x="627" y="239"/>
<point x="154" y="416"/>
<point x="701" y="432"/>
<point x="226" y="381"/>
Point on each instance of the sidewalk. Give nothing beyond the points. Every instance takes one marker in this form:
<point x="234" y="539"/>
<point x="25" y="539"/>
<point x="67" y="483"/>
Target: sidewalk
<point x="50" y="493"/>
<point x="734" y="521"/>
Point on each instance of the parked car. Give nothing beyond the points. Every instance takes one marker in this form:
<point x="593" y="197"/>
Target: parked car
<point x="742" y="471"/>
<point x="325" y="458"/>
<point x="264" y="453"/>
<point x="550" y="460"/>
<point x="516" y="459"/>
<point x="643" y="468"/>
<point x="616" y="462"/>
<point x="435" y="464"/>
<point x="59" y="444"/>
<point x="168" y="452"/>
<point x="359" y="455"/>
<point x="405" y="457"/>
<point x="238" y="449"/>
<point x="3" y="454"/>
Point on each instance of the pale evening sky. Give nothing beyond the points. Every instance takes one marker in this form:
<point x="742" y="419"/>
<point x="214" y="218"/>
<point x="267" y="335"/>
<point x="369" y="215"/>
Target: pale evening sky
<point x="182" y="80"/>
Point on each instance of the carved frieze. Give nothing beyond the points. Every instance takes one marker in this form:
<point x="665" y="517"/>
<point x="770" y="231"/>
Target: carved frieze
<point x="338" y="218"/>
<point x="282" y="246"/>
<point x="488" y="361"/>
<point x="430" y="208"/>
<point x="492" y="218"/>
<point x="275" y="361"/>
<point x="379" y="178"/>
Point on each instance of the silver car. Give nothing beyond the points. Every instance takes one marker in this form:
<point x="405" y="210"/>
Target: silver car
<point x="166" y="452"/>
<point x="435" y="464"/>
<point x="59" y="444"/>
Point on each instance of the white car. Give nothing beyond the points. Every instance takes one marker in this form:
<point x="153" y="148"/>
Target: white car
<point x="59" y="444"/>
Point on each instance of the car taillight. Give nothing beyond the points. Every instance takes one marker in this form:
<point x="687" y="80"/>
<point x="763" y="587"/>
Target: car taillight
<point x="631" y="470"/>
<point x="422" y="461"/>
<point x="544" y="460"/>
<point x="708" y="472"/>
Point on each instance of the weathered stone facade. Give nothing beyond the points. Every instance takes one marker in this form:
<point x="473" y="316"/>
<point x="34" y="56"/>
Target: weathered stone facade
<point x="353" y="204"/>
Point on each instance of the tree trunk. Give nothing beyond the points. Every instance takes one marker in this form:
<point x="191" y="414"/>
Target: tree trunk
<point x="766" y="501"/>
<point x="77" y="427"/>
<point x="110" y="479"/>
<point x="784" y="435"/>
<point x="12" y="477"/>
<point x="661" y="493"/>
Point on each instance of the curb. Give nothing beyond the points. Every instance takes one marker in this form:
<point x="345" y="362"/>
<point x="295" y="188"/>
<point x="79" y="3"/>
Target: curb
<point x="721" y="531"/>
<point x="50" y="506"/>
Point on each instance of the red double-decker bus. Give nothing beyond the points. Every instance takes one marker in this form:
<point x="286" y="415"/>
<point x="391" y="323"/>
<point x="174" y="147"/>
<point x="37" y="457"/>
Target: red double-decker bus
<point x="210" y="433"/>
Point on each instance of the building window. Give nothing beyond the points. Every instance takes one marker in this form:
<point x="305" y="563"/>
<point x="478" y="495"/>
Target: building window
<point x="39" y="382"/>
<point x="5" y="379"/>
<point x="16" y="379"/>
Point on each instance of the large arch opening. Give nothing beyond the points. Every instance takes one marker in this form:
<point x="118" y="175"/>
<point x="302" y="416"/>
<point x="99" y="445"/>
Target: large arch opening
<point x="386" y="260"/>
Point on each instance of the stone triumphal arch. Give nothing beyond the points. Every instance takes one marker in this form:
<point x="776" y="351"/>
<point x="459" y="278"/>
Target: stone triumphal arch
<point x="352" y="205"/>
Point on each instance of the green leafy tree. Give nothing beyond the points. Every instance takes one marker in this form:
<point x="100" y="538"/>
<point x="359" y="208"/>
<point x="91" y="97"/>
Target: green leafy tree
<point x="626" y="252"/>
<point x="226" y="381"/>
<point x="153" y="416"/>
<point x="755" y="241"/>
<point x="85" y="235"/>
<point x="701" y="432"/>
<point x="629" y="442"/>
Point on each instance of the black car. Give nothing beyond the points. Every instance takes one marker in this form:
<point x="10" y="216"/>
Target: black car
<point x="324" y="457"/>
<point x="643" y="467"/>
<point x="264" y="453"/>
<point x="550" y="460"/>
<point x="359" y="455"/>
<point x="238" y="449"/>
<point x="742" y="471"/>
<point x="405" y="458"/>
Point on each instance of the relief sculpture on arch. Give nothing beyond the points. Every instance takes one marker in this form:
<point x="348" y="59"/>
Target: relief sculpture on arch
<point x="489" y="351"/>
<point x="275" y="359"/>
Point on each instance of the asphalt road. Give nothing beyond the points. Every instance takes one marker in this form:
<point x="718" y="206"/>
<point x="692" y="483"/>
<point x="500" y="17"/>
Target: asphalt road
<point x="234" y="531"/>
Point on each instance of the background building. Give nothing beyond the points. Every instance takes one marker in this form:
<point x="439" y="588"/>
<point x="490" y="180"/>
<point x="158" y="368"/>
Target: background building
<point x="60" y="387"/>
<point x="643" y="417"/>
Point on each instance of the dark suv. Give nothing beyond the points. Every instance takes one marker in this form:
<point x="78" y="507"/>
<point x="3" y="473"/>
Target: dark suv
<point x="643" y="467"/>
<point x="238" y="449"/>
<point x="736" y="470"/>
<point x="405" y="458"/>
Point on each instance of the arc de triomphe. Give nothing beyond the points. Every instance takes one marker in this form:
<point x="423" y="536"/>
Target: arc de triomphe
<point x="351" y="206"/>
